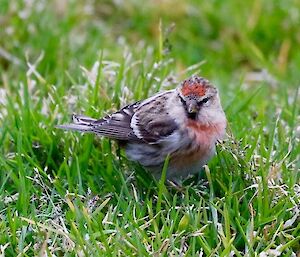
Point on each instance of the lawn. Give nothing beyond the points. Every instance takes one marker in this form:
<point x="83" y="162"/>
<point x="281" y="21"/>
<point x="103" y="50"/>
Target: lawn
<point x="67" y="194"/>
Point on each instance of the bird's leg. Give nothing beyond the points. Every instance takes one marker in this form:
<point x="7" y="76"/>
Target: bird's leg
<point x="175" y="185"/>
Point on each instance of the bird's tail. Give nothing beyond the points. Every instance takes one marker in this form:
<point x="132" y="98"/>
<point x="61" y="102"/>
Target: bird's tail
<point x="80" y="123"/>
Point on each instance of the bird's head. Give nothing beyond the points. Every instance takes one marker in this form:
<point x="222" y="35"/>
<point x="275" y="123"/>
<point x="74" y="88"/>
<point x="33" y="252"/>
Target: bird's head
<point x="196" y="94"/>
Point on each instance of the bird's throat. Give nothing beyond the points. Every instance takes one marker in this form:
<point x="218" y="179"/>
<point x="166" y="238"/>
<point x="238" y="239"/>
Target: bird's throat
<point x="192" y="115"/>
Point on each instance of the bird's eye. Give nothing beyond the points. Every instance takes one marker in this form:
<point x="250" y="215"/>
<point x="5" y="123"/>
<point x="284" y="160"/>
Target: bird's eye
<point x="203" y="101"/>
<point x="182" y="100"/>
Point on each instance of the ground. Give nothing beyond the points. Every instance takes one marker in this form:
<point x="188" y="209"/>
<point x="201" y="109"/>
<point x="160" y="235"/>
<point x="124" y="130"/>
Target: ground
<point x="77" y="195"/>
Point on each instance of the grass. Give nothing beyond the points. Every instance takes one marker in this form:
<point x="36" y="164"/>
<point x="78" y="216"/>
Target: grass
<point x="77" y="195"/>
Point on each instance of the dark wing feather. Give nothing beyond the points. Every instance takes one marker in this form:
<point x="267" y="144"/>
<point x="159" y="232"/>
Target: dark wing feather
<point x="147" y="121"/>
<point x="152" y="122"/>
<point x="114" y="126"/>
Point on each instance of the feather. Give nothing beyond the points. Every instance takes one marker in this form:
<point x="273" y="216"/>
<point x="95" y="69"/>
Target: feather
<point x="145" y="121"/>
<point x="114" y="126"/>
<point x="152" y="122"/>
<point x="78" y="127"/>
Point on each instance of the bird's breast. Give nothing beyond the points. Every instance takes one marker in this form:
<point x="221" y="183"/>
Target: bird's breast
<point x="206" y="134"/>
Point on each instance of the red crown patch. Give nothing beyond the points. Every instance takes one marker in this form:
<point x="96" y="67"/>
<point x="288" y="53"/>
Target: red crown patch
<point x="196" y="86"/>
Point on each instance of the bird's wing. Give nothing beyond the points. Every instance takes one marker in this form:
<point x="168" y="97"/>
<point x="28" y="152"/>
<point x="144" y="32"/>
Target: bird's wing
<point x="151" y="122"/>
<point x="146" y="121"/>
<point x="114" y="126"/>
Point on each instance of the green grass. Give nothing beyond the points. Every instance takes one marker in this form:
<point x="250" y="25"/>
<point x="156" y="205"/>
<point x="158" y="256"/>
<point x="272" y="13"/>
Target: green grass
<point x="77" y="195"/>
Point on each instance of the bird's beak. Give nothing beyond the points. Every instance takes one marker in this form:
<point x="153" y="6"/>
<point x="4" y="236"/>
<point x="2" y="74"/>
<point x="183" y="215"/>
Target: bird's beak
<point x="192" y="107"/>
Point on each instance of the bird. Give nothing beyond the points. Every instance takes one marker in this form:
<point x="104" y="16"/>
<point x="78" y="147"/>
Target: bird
<point x="183" y="124"/>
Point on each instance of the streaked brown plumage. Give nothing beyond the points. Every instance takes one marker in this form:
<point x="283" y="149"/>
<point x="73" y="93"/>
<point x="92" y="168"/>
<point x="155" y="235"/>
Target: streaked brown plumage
<point x="185" y="123"/>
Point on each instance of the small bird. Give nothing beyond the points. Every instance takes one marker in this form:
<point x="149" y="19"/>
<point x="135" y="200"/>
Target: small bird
<point x="184" y="123"/>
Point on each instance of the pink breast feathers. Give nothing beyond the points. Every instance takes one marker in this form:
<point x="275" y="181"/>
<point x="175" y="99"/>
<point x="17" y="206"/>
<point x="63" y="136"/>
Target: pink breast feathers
<point x="206" y="134"/>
